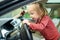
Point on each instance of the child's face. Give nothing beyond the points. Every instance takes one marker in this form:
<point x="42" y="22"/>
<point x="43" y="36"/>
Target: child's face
<point x="34" y="13"/>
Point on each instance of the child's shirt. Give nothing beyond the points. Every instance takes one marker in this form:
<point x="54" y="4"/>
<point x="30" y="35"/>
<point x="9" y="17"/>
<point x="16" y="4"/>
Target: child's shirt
<point x="46" y="27"/>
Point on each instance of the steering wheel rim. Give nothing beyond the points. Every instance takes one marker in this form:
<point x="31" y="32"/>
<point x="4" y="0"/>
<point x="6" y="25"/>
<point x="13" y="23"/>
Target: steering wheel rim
<point x="25" y="30"/>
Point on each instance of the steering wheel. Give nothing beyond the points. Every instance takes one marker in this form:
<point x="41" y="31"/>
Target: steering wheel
<point x="25" y="33"/>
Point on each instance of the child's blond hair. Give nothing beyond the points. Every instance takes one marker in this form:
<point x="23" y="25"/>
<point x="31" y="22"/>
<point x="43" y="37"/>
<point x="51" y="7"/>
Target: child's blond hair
<point x="42" y="7"/>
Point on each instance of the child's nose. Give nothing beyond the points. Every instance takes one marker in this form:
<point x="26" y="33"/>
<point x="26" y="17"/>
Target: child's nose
<point x="30" y="16"/>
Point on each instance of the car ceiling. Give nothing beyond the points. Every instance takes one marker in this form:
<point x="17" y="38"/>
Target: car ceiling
<point x="9" y="5"/>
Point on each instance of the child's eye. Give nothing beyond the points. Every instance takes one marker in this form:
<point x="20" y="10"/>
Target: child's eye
<point x="31" y="13"/>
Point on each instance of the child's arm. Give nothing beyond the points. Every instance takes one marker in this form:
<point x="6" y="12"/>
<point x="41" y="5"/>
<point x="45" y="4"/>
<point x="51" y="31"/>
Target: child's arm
<point x="41" y="25"/>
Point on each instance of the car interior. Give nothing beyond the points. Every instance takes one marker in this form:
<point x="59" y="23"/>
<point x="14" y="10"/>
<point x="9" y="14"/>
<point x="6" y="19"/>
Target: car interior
<point x="12" y="28"/>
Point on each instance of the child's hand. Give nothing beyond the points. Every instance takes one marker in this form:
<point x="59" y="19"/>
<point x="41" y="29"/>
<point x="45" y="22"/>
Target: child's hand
<point x="26" y="21"/>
